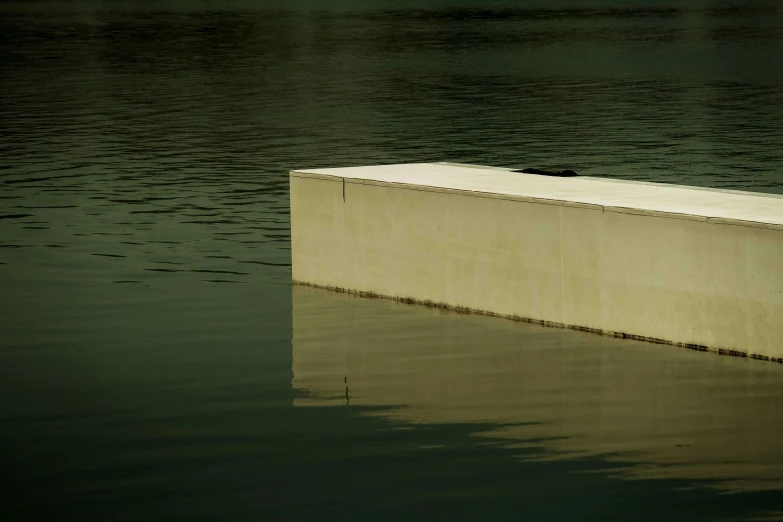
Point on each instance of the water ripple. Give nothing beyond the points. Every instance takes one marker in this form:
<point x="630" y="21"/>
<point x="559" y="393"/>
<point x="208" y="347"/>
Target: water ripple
<point x="136" y="135"/>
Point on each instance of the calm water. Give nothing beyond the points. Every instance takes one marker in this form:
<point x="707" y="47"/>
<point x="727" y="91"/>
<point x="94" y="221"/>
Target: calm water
<point x="155" y="362"/>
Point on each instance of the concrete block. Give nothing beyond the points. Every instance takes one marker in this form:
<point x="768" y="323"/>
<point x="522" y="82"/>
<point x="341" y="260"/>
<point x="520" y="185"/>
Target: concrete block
<point x="666" y="263"/>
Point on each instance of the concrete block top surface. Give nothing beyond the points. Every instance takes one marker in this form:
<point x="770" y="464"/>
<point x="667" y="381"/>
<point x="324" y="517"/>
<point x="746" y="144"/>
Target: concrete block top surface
<point x="633" y="196"/>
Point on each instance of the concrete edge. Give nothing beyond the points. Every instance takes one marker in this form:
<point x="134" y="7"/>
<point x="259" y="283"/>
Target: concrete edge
<point x="631" y="181"/>
<point x="541" y="201"/>
<point x="552" y="324"/>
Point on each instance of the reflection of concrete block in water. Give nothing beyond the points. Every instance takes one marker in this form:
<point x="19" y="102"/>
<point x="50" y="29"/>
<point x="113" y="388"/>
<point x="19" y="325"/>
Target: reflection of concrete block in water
<point x="686" y="265"/>
<point x="669" y="412"/>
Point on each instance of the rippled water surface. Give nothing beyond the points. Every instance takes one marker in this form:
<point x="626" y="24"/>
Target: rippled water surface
<point x="155" y="362"/>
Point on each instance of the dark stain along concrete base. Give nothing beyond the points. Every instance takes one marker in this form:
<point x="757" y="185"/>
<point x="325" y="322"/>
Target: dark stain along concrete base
<point x="552" y="324"/>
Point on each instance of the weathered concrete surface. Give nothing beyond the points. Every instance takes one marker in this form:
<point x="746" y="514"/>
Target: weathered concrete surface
<point x="669" y="263"/>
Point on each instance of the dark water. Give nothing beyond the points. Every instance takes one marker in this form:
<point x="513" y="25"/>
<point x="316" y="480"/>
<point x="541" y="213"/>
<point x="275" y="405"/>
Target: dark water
<point x="155" y="363"/>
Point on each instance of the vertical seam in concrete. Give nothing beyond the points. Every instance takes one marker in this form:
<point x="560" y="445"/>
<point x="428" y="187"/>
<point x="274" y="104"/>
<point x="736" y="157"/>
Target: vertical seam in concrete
<point x="343" y="190"/>
<point x="562" y="271"/>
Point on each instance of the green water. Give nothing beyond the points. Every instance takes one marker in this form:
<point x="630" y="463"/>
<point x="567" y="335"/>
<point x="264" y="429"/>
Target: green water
<point x="155" y="362"/>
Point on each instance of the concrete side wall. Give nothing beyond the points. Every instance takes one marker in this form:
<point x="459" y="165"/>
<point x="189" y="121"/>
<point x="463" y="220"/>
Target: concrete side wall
<point x="676" y="279"/>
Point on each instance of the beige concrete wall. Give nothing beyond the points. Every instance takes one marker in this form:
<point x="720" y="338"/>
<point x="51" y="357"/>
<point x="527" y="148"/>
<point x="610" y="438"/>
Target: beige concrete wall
<point x="682" y="279"/>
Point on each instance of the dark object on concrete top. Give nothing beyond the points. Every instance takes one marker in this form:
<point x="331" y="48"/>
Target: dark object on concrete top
<point x="561" y="174"/>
